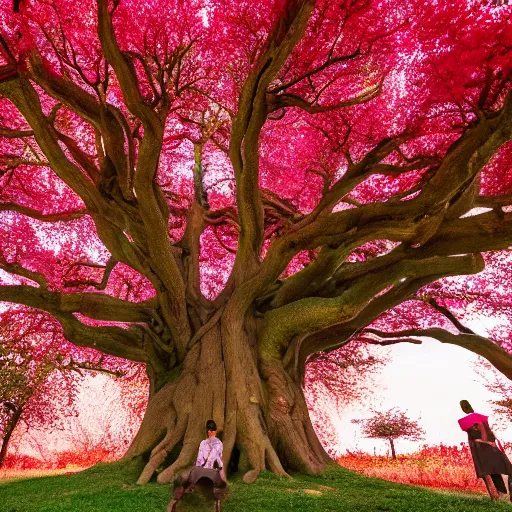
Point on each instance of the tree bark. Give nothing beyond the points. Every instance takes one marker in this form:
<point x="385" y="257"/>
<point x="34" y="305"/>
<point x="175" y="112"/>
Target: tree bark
<point x="13" y="422"/>
<point x="259" y="409"/>
<point x="392" y="444"/>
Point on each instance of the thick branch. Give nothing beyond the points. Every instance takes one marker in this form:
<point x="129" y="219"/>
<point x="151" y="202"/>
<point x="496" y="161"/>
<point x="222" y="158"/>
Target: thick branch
<point x="105" y="118"/>
<point x="479" y="233"/>
<point x="97" y="306"/>
<point x="339" y="335"/>
<point x="313" y="314"/>
<point x="152" y="206"/>
<point x="64" y="90"/>
<point x="446" y="195"/>
<point x="15" y="268"/>
<point x="246" y="129"/>
<point x="124" y="69"/>
<point x="110" y="224"/>
<point x="25" y="98"/>
<point x="493" y="201"/>
<point x="104" y="307"/>
<point x="126" y="343"/>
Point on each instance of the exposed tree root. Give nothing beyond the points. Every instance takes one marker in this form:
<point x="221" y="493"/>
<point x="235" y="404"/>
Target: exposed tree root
<point x="264" y="416"/>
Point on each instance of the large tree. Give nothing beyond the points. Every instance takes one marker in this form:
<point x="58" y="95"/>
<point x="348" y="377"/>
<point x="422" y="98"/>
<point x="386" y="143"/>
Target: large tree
<point x="221" y="189"/>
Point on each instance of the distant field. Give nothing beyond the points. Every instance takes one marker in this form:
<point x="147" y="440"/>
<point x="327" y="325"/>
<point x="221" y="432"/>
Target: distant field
<point x="439" y="467"/>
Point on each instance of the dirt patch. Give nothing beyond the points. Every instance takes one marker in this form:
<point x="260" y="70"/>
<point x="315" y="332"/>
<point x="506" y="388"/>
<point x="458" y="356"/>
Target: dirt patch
<point x="130" y="486"/>
<point x="325" y="488"/>
<point x="312" y="492"/>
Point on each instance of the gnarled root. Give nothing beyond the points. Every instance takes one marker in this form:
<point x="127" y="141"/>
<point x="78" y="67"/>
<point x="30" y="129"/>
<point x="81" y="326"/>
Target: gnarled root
<point x="288" y="420"/>
<point x="266" y="420"/>
<point x="183" y="408"/>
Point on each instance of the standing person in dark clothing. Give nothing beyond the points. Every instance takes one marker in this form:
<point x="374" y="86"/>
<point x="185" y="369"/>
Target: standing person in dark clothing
<point x="489" y="457"/>
<point x="208" y="465"/>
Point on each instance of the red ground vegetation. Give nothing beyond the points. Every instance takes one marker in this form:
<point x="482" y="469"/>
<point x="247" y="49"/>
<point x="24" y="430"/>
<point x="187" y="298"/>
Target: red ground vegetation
<point x="60" y="460"/>
<point x="440" y="467"/>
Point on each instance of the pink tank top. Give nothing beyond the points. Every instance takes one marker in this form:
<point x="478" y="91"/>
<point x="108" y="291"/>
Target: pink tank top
<point x="468" y="421"/>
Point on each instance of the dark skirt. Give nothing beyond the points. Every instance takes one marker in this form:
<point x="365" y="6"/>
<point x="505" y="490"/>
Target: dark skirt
<point x="489" y="460"/>
<point x="194" y="476"/>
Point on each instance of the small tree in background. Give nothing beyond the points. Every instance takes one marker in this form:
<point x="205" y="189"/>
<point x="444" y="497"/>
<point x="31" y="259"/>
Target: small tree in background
<point x="29" y="381"/>
<point x="392" y="424"/>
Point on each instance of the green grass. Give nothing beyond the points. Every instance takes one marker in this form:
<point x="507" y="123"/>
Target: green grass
<point x="110" y="488"/>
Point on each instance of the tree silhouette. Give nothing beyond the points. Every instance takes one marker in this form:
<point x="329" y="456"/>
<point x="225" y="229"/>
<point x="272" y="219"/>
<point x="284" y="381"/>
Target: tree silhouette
<point x="221" y="190"/>
<point x="391" y="425"/>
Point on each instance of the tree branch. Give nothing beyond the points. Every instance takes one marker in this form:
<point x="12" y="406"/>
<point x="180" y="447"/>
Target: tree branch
<point x="105" y="118"/>
<point x="418" y="221"/>
<point x="479" y="233"/>
<point x="26" y="100"/>
<point x="329" y="62"/>
<point x="35" y="214"/>
<point x="293" y="100"/>
<point x="125" y="71"/>
<point x="111" y="263"/>
<point x="10" y="133"/>
<point x="339" y="335"/>
<point x="314" y="314"/>
<point x="493" y="201"/>
<point x="484" y="347"/>
<point x="97" y="306"/>
<point x="126" y="343"/>
<point x="246" y="129"/>
<point x="449" y="315"/>
<point x="13" y="161"/>
<point x="152" y="206"/>
<point x="17" y="269"/>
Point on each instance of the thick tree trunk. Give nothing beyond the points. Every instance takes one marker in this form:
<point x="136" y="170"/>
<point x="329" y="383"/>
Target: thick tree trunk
<point x="259" y="409"/>
<point x="13" y="422"/>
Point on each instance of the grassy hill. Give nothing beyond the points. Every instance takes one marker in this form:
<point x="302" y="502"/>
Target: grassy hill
<point x="110" y="488"/>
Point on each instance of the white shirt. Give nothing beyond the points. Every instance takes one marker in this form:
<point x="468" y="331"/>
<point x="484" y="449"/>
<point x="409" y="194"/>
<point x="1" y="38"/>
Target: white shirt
<point x="210" y="451"/>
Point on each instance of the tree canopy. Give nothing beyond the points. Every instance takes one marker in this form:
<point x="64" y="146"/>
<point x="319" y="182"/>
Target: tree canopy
<point x="222" y="189"/>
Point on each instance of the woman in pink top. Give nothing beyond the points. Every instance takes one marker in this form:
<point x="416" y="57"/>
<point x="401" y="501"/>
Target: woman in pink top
<point x="488" y="456"/>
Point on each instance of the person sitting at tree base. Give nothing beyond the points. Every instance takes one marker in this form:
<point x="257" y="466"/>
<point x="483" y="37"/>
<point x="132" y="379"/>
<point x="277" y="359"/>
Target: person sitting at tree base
<point x="489" y="456"/>
<point x="208" y="465"/>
